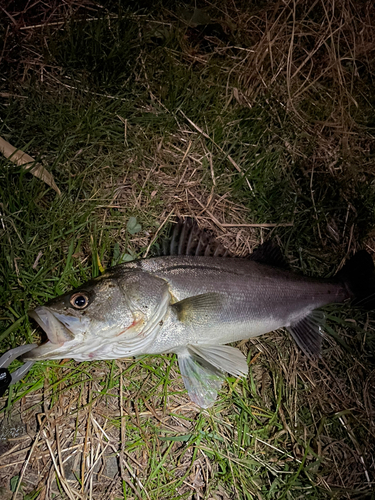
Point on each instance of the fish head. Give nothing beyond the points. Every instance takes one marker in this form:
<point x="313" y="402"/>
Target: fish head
<point x="84" y="323"/>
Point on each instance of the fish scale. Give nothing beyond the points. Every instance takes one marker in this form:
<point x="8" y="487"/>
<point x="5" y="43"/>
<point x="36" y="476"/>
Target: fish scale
<point x="193" y="305"/>
<point x="255" y="298"/>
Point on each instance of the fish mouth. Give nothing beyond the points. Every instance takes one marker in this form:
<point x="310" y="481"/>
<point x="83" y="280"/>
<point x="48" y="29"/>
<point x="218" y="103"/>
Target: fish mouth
<point x="53" y="324"/>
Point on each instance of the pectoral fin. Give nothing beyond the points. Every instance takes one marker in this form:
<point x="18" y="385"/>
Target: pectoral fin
<point x="202" y="369"/>
<point x="199" y="309"/>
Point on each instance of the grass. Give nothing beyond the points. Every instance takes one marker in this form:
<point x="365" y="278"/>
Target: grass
<point x="263" y="116"/>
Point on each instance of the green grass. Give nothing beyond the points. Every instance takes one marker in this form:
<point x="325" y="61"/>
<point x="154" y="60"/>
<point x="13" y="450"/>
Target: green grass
<point x="114" y="115"/>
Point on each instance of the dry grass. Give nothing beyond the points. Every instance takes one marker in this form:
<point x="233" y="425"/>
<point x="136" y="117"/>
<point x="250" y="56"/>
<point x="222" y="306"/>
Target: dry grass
<point x="303" y="72"/>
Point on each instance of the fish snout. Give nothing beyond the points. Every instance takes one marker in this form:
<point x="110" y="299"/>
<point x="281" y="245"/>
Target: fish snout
<point x="56" y="331"/>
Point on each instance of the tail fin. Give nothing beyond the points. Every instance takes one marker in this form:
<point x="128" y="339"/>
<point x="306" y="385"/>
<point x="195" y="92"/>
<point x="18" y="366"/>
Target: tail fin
<point x="358" y="275"/>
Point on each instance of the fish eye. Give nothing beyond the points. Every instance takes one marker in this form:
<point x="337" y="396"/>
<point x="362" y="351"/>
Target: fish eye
<point x="79" y="300"/>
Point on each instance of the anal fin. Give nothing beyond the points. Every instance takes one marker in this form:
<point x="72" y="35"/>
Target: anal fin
<point x="308" y="333"/>
<point x="203" y="370"/>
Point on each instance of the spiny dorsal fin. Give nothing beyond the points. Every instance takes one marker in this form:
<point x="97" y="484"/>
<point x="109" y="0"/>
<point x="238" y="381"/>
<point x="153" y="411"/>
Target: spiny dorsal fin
<point x="188" y="239"/>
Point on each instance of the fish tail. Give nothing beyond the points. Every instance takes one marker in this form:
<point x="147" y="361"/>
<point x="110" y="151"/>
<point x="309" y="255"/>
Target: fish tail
<point x="358" y="276"/>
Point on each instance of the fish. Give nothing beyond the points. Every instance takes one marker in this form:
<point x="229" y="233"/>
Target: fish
<point x="192" y="301"/>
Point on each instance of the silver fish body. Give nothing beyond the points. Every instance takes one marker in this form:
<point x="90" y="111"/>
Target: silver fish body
<point x="234" y="299"/>
<point x="188" y="305"/>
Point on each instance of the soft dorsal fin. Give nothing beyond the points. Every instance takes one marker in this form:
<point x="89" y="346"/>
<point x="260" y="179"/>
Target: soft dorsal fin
<point x="269" y="253"/>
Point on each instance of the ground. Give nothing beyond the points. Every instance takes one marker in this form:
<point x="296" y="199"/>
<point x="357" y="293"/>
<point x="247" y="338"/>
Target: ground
<point x="255" y="119"/>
